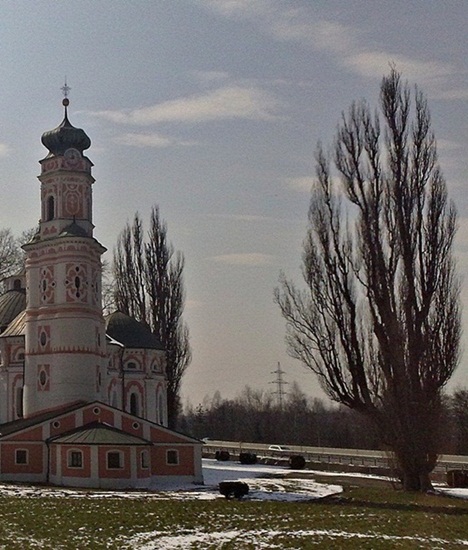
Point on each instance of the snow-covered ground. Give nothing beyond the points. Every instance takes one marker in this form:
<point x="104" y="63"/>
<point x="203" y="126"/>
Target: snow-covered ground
<point x="265" y="483"/>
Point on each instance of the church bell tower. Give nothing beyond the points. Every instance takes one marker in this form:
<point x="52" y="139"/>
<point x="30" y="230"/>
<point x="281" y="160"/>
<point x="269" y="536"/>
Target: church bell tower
<point x="65" y="347"/>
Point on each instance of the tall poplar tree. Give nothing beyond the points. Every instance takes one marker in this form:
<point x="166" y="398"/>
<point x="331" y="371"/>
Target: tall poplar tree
<point x="149" y="286"/>
<point x="379" y="320"/>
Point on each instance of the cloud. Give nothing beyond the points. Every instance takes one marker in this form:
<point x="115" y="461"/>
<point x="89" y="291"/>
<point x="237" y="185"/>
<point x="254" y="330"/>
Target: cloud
<point x="301" y="184"/>
<point x="372" y="64"/>
<point x="193" y="304"/>
<point x="208" y="77"/>
<point x="148" y="140"/>
<point x="320" y="35"/>
<point x="287" y="23"/>
<point x="243" y="217"/>
<point x="4" y="150"/>
<point x="453" y="93"/>
<point x="344" y="43"/>
<point x="449" y="145"/>
<point x="239" y="8"/>
<point x="223" y="103"/>
<point x="247" y="259"/>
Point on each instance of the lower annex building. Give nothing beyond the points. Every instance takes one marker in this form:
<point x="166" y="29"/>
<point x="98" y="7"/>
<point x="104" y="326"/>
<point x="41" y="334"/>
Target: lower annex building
<point x="82" y="396"/>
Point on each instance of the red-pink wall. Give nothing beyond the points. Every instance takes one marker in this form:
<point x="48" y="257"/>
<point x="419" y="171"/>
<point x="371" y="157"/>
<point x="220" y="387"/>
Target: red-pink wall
<point x="185" y="466"/>
<point x="120" y="473"/>
<point x="35" y="458"/>
<point x="75" y="472"/>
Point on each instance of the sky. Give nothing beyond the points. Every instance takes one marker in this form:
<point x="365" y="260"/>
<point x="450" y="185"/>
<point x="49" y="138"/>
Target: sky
<point x="212" y="110"/>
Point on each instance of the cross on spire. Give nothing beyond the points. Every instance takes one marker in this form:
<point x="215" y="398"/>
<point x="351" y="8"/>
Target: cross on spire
<point x="65" y="89"/>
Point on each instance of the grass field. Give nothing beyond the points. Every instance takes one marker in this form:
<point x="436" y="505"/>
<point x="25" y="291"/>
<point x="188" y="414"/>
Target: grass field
<point x="372" y="516"/>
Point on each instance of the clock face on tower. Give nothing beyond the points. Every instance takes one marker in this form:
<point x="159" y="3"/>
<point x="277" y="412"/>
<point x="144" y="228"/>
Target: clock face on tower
<point x="72" y="157"/>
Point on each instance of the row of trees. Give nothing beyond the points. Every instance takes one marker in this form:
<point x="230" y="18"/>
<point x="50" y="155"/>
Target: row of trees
<point x="255" y="416"/>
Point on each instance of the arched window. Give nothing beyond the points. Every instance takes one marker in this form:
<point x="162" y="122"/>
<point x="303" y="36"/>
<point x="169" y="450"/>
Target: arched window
<point x="50" y="208"/>
<point x="160" y="406"/>
<point x="134" y="404"/>
<point x="75" y="459"/>
<point x="17" y="284"/>
<point x="19" y="402"/>
<point x="144" y="460"/>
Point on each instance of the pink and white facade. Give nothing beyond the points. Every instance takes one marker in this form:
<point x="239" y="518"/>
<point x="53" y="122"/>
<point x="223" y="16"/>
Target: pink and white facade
<point x="83" y="398"/>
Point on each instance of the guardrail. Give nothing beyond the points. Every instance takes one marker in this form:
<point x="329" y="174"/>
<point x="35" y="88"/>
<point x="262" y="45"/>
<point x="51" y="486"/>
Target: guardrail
<point x="328" y="455"/>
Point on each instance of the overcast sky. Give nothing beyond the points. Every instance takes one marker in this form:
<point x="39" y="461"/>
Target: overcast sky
<point x="212" y="109"/>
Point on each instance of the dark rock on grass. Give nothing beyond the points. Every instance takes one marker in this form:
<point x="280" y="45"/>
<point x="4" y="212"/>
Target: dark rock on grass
<point x="233" y="489"/>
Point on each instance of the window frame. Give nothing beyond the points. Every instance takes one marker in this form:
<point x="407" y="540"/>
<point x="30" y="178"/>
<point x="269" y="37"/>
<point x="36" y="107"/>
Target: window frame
<point x="73" y="453"/>
<point x="121" y="460"/>
<point x="172" y="453"/>
<point x="26" y="457"/>
<point x="144" y="459"/>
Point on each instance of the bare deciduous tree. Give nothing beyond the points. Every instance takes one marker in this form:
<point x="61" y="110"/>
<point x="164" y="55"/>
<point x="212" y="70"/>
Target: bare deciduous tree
<point x="11" y="256"/>
<point x="379" y="322"/>
<point x="149" y="286"/>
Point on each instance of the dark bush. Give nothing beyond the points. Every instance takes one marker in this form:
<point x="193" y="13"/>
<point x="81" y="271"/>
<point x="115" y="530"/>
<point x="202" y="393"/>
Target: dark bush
<point x="222" y="455"/>
<point x="457" y="478"/>
<point x="248" y="458"/>
<point x="233" y="489"/>
<point x="297" y="462"/>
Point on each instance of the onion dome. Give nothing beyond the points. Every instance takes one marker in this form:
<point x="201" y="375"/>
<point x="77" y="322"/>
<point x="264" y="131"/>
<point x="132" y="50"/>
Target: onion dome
<point x="65" y="136"/>
<point x="129" y="332"/>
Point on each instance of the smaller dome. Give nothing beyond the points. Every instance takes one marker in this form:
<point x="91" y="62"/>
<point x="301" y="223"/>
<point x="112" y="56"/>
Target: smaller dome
<point x="12" y="303"/>
<point x="129" y="332"/>
<point x="64" y="137"/>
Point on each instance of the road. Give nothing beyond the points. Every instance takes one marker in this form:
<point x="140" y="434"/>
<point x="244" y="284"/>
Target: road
<point x="350" y="457"/>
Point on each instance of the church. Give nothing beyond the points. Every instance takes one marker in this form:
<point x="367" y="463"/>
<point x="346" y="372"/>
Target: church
<point x="83" y="396"/>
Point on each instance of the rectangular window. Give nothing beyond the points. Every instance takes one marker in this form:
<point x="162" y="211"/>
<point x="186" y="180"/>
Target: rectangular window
<point x="21" y="456"/>
<point x="114" y="460"/>
<point x="172" y="457"/>
<point x="75" y="459"/>
<point x="144" y="460"/>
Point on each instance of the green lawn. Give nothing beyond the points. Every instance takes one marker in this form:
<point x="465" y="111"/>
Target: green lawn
<point x="360" y="518"/>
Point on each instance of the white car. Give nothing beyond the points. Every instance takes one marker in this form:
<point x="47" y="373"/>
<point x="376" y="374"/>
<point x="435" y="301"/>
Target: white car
<point x="279" y="448"/>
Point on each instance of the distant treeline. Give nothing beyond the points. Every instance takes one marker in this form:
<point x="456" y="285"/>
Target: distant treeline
<point x="256" y="416"/>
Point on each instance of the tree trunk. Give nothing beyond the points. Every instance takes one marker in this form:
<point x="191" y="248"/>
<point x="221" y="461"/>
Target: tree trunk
<point x="414" y="471"/>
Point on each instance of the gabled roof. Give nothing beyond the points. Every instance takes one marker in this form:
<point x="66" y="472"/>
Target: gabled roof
<point x="130" y="332"/>
<point x="97" y="433"/>
<point x="16" y="426"/>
